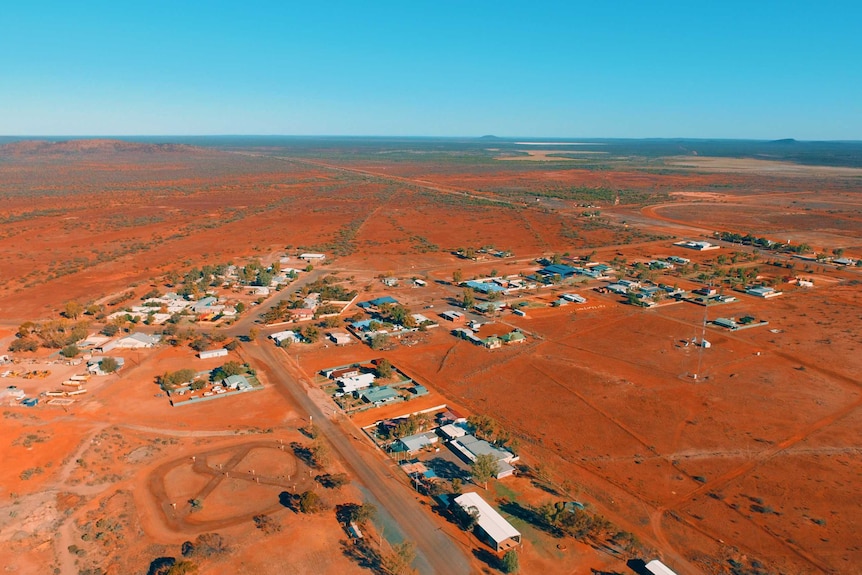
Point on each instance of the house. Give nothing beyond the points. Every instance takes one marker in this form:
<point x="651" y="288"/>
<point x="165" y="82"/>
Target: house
<point x="379" y="395"/>
<point x="699" y="246"/>
<point x="618" y="288"/>
<point x="705" y="291"/>
<point x="352" y="383"/>
<point x="419" y="283"/>
<point x="280" y="336"/>
<point x="390" y="281"/>
<point x="302" y="314"/>
<point x="629" y="284"/>
<point x="468" y="447"/>
<point x="414" y="443"/>
<point x="490" y="306"/>
<point x="660" y="265"/>
<point x="137" y="340"/>
<point x="574" y="298"/>
<point x="341" y="372"/>
<point x="420" y="390"/>
<point x="451" y="431"/>
<point x="377" y="302"/>
<point x="485" y="287"/>
<point x="726" y="323"/>
<point x="656" y="567"/>
<point x="258" y="290"/>
<point x="453" y="316"/>
<point x="844" y="261"/>
<point x="514" y="337"/>
<point x="424" y="320"/>
<point x="678" y="260"/>
<point x="490" y="525"/>
<point x="492" y="342"/>
<point x="94" y="364"/>
<point x="762" y="291"/>
<point x="203" y="304"/>
<point x="211" y="353"/>
<point x="467" y="334"/>
<point x="340" y="338"/>
<point x="237" y="382"/>
<point x="311" y="258"/>
<point x="561" y="270"/>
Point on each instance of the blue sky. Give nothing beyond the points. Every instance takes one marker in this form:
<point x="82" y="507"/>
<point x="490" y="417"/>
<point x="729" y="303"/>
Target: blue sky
<point x="754" y="69"/>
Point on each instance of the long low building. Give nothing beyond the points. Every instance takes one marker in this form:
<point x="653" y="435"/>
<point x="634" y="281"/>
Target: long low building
<point x="490" y="525"/>
<point x="656" y="567"/>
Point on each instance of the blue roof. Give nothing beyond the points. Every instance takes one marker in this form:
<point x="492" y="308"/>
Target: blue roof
<point x="378" y="301"/>
<point x="484" y="287"/>
<point x="560" y="269"/>
<point x="362" y="325"/>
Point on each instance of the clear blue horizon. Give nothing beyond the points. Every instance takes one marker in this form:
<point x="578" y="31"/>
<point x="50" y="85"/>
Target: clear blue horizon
<point x="734" y="70"/>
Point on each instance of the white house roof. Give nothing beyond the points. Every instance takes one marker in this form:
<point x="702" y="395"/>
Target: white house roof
<point x="656" y="567"/>
<point x="489" y="521"/>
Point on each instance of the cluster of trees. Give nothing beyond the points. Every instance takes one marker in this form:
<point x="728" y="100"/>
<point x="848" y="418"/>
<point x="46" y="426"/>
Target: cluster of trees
<point x="396" y="314"/>
<point x="574" y="522"/>
<point x="54" y="334"/>
<point x="329" y="289"/>
<point x="170" y="380"/>
<point x="763" y="243"/>
<point x="486" y="427"/>
<point x="410" y="425"/>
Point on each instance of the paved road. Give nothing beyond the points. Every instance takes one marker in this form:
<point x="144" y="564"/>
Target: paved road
<point x="435" y="552"/>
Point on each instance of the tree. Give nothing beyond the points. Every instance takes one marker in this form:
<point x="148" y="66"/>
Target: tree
<point x="109" y="365"/>
<point x="182" y="568"/>
<point x="72" y="309"/>
<point x="228" y="369"/>
<point x="362" y="513"/>
<point x="24" y="344"/>
<point x="397" y="562"/>
<point x="69" y="351"/>
<point x="468" y="299"/>
<point x="311" y="333"/>
<point x="309" y="502"/>
<point x="509" y="563"/>
<point x="266" y="524"/>
<point x="110" y="329"/>
<point x="379" y="341"/>
<point x="383" y="369"/>
<point x="484" y="467"/>
<point x="457" y="276"/>
<point x="320" y="451"/>
<point x="253" y="333"/>
<point x="457" y="485"/>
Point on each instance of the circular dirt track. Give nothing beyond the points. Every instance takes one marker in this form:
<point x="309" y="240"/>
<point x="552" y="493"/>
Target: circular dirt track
<point x="240" y="481"/>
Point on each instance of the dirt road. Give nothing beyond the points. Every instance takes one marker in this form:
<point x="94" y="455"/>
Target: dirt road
<point x="435" y="552"/>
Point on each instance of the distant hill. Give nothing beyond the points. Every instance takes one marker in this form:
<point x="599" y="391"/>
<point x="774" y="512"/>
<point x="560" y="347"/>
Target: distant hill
<point x="89" y="146"/>
<point x="490" y="137"/>
<point x="784" y="141"/>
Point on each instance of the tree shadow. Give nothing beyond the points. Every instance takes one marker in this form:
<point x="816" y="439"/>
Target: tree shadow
<point x="289" y="500"/>
<point x="446" y="469"/>
<point x="638" y="566"/>
<point x="530" y="516"/>
<point x="160" y="565"/>
<point x="303" y="453"/>
<point x="360" y="552"/>
<point x="488" y="558"/>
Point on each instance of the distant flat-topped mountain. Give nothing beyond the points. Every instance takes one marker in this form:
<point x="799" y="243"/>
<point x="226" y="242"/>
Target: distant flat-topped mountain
<point x="88" y="146"/>
<point x="784" y="141"/>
